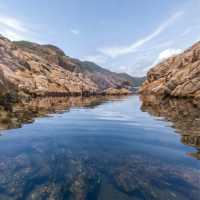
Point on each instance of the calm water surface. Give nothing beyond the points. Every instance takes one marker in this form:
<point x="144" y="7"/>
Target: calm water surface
<point x="109" y="151"/>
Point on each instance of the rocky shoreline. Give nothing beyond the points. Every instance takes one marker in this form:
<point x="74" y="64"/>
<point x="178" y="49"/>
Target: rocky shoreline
<point x="29" y="70"/>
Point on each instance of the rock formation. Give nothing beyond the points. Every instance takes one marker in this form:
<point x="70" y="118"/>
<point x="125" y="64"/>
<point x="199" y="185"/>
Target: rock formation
<point x="30" y="69"/>
<point x="178" y="76"/>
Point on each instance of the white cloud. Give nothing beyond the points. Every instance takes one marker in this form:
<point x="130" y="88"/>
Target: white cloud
<point x="12" y="23"/>
<point x="161" y="57"/>
<point x="16" y="29"/>
<point x="117" y="51"/>
<point x="13" y="28"/>
<point x="141" y="67"/>
<point x="98" y="59"/>
<point x="75" y="31"/>
<point x="167" y="53"/>
<point x="11" y="35"/>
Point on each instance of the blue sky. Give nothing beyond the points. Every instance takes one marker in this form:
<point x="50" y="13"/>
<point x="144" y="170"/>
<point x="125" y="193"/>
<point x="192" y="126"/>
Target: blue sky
<point x="121" y="35"/>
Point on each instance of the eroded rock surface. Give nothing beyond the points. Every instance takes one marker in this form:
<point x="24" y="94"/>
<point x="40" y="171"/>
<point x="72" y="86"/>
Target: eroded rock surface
<point x="40" y="70"/>
<point x="178" y="76"/>
<point x="34" y="73"/>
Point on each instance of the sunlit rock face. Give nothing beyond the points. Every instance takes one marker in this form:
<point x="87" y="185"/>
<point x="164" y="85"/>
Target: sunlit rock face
<point x="177" y="76"/>
<point x="184" y="115"/>
<point x="166" y="89"/>
<point x="41" y="70"/>
<point x="38" y="72"/>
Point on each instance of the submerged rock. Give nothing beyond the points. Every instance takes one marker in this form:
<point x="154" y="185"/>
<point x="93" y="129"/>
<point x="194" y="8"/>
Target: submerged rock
<point x="65" y="172"/>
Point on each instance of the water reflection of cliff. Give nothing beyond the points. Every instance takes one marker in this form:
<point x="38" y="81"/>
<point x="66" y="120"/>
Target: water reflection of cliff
<point x="25" y="112"/>
<point x="183" y="113"/>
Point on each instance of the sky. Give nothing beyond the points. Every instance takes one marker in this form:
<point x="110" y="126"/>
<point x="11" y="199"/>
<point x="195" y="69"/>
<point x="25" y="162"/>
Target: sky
<point x="121" y="35"/>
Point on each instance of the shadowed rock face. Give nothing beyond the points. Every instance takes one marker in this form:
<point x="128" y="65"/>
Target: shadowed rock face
<point x="184" y="115"/>
<point x="178" y="76"/>
<point x="41" y="70"/>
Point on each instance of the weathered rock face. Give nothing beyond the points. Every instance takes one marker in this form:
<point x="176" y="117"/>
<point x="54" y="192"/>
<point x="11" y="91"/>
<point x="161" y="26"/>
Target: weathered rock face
<point x="39" y="70"/>
<point x="3" y="84"/>
<point x="178" y="76"/>
<point x="39" y="74"/>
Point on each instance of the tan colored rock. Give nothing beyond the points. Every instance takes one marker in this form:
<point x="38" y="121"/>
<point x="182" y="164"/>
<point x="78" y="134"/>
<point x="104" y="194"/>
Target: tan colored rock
<point x="40" y="70"/>
<point x="114" y="91"/>
<point x="36" y="75"/>
<point x="178" y="76"/>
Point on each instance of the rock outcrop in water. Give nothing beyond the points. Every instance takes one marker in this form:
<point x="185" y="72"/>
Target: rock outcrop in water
<point x="178" y="76"/>
<point x="30" y="69"/>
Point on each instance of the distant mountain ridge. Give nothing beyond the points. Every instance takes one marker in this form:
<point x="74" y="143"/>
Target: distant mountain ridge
<point x="101" y="76"/>
<point x="38" y="70"/>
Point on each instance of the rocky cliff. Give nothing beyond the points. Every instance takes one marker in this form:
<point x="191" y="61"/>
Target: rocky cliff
<point x="30" y="69"/>
<point x="178" y="76"/>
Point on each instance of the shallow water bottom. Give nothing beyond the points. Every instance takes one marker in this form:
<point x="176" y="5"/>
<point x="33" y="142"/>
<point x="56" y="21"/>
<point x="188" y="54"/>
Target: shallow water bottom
<point x="109" y="151"/>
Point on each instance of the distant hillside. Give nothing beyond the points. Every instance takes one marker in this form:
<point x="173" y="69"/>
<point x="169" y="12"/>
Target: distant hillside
<point x="135" y="81"/>
<point x="101" y="76"/>
<point x="38" y="70"/>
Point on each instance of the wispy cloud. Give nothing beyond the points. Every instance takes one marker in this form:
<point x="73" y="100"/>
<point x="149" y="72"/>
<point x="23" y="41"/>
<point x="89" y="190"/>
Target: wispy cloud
<point x="166" y="54"/>
<point x="12" y="23"/>
<point x="118" y="51"/>
<point x="75" y="31"/>
<point x="16" y="29"/>
<point x="142" y="67"/>
<point x="12" y="35"/>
